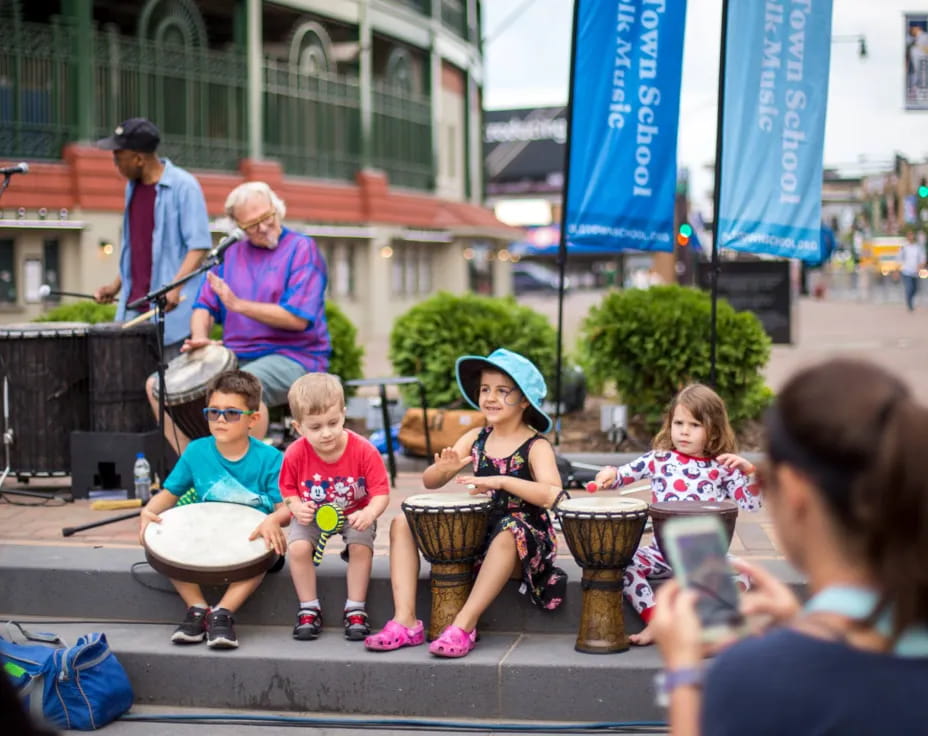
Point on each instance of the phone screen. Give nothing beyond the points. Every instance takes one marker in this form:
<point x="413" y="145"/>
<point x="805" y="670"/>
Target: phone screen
<point x="706" y="570"/>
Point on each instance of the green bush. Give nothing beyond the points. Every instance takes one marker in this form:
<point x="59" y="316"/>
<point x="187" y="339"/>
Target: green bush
<point x="427" y="339"/>
<point x="346" y="353"/>
<point x="82" y="311"/>
<point x="650" y="343"/>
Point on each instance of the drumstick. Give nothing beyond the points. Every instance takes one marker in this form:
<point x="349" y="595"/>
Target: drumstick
<point x="146" y="315"/>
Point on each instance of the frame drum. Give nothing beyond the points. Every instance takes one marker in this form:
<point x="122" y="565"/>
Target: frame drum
<point x="726" y="510"/>
<point x="602" y="533"/>
<point x="185" y="386"/>
<point x="207" y="543"/>
<point x="450" y="529"/>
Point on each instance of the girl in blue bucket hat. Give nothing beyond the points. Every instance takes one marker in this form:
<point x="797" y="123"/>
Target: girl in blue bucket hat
<point x="515" y="465"/>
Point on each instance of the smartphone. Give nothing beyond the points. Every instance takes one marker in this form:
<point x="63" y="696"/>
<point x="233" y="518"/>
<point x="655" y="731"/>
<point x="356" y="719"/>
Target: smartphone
<point x="697" y="549"/>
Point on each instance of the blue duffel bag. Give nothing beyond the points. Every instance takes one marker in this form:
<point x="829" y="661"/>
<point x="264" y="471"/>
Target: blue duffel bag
<point x="81" y="687"/>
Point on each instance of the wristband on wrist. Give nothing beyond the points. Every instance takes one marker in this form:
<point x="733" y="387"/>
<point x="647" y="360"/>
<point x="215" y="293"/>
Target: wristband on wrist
<point x="669" y="680"/>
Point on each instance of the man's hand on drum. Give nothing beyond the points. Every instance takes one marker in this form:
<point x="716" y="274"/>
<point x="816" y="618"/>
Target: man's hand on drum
<point x="361" y="519"/>
<point x="223" y="291"/>
<point x="273" y="535"/>
<point x="194" y="343"/>
<point x="730" y="460"/>
<point x="303" y="511"/>
<point x="145" y="518"/>
<point x="480" y="484"/>
<point x="605" y="478"/>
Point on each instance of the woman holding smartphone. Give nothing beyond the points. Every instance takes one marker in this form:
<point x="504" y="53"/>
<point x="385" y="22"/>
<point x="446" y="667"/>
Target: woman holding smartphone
<point x="847" y="489"/>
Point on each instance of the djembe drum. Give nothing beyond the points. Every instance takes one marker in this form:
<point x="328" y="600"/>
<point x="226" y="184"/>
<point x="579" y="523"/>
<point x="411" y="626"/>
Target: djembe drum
<point x="727" y="511"/>
<point x="602" y="533"/>
<point x="449" y="529"/>
<point x="207" y="543"/>
<point x="185" y="386"/>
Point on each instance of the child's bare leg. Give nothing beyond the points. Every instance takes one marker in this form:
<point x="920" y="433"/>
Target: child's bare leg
<point x="404" y="571"/>
<point x="302" y="570"/>
<point x="360" y="560"/>
<point x="237" y="593"/>
<point x="494" y="573"/>
<point x="190" y="593"/>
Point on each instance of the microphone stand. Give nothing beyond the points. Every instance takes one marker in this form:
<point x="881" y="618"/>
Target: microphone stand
<point x="159" y="298"/>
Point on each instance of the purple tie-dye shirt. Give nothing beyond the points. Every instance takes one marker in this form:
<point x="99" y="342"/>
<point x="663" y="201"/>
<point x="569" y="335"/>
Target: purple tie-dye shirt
<point x="292" y="275"/>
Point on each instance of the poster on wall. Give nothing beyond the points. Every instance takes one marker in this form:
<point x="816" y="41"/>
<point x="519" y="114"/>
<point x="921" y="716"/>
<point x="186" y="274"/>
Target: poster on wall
<point x="916" y="61"/>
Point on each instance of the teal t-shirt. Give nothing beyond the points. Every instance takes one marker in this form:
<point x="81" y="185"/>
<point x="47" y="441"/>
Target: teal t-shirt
<point x="250" y="481"/>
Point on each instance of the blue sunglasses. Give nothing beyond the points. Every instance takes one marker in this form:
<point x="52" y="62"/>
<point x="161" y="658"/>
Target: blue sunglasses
<point x="230" y="415"/>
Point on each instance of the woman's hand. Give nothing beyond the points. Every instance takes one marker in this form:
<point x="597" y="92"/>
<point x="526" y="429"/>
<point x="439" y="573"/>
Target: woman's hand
<point x="481" y="484"/>
<point x="676" y="626"/>
<point x="768" y="597"/>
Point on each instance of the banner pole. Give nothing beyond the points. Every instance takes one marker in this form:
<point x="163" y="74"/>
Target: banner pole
<point x="715" y="268"/>
<point x="562" y="244"/>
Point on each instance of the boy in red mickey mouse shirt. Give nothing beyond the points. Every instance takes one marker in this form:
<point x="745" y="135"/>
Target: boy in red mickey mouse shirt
<point x="330" y="464"/>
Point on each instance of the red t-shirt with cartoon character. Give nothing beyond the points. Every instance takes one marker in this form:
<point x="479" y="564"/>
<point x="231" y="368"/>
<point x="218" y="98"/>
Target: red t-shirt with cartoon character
<point x="349" y="482"/>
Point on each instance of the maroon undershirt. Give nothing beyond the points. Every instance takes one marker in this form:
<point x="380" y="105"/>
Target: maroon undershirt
<point x="141" y="228"/>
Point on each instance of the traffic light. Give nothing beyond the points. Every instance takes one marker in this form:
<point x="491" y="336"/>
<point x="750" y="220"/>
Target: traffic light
<point x="684" y="233"/>
<point x="923" y="189"/>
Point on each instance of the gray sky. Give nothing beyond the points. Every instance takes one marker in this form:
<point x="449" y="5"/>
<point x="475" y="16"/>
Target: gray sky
<point x="527" y="64"/>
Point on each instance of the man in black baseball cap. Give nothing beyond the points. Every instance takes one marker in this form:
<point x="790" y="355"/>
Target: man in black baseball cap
<point x="134" y="134"/>
<point x="165" y="231"/>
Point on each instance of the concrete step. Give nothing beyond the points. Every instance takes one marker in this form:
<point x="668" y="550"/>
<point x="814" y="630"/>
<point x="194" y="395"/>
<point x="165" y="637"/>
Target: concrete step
<point x="507" y="676"/>
<point x="116" y="584"/>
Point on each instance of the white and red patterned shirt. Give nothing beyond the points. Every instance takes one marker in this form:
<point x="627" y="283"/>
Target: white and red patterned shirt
<point x="678" y="477"/>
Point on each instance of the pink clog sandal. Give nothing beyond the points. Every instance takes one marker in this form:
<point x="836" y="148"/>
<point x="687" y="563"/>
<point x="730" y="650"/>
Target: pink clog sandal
<point x="453" y="642"/>
<point x="394" y="635"/>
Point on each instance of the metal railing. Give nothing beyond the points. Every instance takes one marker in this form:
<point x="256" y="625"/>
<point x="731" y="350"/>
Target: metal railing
<point x="402" y="137"/>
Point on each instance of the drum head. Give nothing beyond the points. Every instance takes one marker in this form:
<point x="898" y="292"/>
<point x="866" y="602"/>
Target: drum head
<point x="189" y="373"/>
<point x="44" y="329"/>
<point x="673" y="508"/>
<point x="601" y="505"/>
<point x="207" y="543"/>
<point x="451" y="501"/>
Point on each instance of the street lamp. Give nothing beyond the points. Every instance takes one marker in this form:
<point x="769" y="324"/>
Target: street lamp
<point x="860" y="39"/>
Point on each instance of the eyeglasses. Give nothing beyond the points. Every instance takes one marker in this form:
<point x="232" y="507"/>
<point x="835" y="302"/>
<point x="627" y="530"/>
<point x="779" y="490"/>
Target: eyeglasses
<point x="253" y="225"/>
<point x="230" y="415"/>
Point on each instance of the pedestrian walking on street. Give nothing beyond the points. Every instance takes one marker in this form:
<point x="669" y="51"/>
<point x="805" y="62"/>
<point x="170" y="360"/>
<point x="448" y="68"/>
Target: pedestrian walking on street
<point x="912" y="257"/>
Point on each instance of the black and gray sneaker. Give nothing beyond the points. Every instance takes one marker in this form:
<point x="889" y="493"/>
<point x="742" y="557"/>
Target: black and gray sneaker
<point x="192" y="629"/>
<point x="356" y="626"/>
<point x="220" y="633"/>
<point x="308" y="624"/>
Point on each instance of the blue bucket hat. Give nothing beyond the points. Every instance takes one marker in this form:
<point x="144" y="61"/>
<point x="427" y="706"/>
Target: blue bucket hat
<point x="521" y="370"/>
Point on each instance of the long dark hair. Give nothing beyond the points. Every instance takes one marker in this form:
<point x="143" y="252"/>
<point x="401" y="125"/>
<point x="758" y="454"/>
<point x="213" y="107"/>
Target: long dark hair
<point x="855" y="430"/>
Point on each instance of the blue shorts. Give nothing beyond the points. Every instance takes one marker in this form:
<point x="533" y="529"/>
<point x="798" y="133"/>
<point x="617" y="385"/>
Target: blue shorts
<point x="276" y="373"/>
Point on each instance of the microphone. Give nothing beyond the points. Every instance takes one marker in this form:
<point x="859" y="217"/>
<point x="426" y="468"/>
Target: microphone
<point x="21" y="168"/>
<point x="216" y="253"/>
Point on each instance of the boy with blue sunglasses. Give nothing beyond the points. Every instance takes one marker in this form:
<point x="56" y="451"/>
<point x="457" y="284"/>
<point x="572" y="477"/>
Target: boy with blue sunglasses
<point x="233" y="467"/>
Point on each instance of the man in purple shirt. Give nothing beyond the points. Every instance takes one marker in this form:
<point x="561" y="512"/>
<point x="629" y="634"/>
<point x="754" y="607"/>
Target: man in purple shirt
<point x="269" y="296"/>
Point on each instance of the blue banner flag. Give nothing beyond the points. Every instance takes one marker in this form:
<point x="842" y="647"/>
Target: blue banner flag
<point x="623" y="130"/>
<point x="776" y="93"/>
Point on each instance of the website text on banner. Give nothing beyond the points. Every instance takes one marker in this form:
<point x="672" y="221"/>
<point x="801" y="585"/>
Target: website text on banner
<point x="623" y="131"/>
<point x="776" y="93"/>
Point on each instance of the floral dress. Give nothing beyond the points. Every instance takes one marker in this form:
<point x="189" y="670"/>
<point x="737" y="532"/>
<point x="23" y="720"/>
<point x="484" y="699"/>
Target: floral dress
<point x="536" y="543"/>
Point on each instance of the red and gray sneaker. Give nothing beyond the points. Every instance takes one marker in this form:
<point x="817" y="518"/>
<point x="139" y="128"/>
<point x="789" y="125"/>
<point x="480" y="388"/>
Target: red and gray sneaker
<point x="356" y="626"/>
<point x="308" y="624"/>
<point x="192" y="630"/>
<point x="220" y="633"/>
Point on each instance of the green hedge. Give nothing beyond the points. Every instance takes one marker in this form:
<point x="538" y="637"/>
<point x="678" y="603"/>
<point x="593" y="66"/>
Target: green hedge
<point x="346" y="353"/>
<point x="650" y="343"/>
<point x="427" y="339"/>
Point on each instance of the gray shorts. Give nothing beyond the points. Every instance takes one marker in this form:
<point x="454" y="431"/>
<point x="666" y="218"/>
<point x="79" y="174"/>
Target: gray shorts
<point x="310" y="533"/>
<point x="276" y="373"/>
